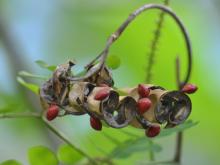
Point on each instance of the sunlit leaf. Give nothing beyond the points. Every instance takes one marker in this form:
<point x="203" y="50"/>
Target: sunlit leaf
<point x="113" y="62"/>
<point x="27" y="74"/>
<point x="68" y="155"/>
<point x="132" y="146"/>
<point x="44" y="65"/>
<point x="182" y="127"/>
<point x="111" y="139"/>
<point x="34" y="88"/>
<point x="40" y="155"/>
<point x="10" y="162"/>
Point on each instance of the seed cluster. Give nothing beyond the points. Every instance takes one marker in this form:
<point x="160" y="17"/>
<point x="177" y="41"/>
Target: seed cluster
<point x="145" y="106"/>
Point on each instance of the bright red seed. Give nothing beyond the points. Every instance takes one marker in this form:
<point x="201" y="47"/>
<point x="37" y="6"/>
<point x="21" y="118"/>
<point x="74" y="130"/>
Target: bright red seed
<point x="144" y="105"/>
<point x="102" y="94"/>
<point x="143" y="90"/>
<point x="189" y="88"/>
<point x="103" y="85"/>
<point x="153" y="131"/>
<point x="95" y="123"/>
<point x="52" y="112"/>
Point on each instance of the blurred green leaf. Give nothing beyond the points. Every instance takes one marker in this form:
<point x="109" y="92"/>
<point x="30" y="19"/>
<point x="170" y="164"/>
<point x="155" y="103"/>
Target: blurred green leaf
<point x="10" y="162"/>
<point x="111" y="139"/>
<point x="68" y="155"/>
<point x="182" y="127"/>
<point x="27" y="74"/>
<point x="132" y="146"/>
<point x="34" y="88"/>
<point x="44" y="65"/>
<point x="40" y="155"/>
<point x="113" y="62"/>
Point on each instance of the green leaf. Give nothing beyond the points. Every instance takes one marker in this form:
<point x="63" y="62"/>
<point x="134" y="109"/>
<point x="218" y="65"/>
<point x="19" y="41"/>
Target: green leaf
<point x="113" y="62"/>
<point x="27" y="74"/>
<point x="182" y="127"/>
<point x="44" y="65"/>
<point x="41" y="155"/>
<point x="10" y="162"/>
<point x="68" y="155"/>
<point x="34" y="88"/>
<point x="132" y="146"/>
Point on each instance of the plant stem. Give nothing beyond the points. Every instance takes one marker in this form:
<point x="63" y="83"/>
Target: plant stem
<point x="50" y="127"/>
<point x="154" y="44"/>
<point x="151" y="153"/>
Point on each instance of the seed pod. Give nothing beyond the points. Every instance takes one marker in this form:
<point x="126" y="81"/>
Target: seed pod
<point x="95" y="123"/>
<point x="52" y="112"/>
<point x="143" y="90"/>
<point x="189" y="88"/>
<point x="153" y="131"/>
<point x="143" y="105"/>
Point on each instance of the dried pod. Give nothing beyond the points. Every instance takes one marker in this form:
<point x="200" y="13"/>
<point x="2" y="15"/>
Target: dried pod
<point x="104" y="76"/>
<point x="117" y="113"/>
<point x="173" y="107"/>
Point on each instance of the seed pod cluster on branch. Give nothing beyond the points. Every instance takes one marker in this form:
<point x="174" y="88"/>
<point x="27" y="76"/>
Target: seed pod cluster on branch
<point x="145" y="106"/>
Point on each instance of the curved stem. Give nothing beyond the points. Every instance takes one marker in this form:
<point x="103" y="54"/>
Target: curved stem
<point x="50" y="127"/>
<point x="103" y="55"/>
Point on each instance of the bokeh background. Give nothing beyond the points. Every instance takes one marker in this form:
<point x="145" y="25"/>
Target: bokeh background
<point x="55" y="31"/>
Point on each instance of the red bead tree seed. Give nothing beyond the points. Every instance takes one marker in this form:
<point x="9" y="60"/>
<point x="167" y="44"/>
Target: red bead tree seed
<point x="153" y="131"/>
<point x="103" y="85"/>
<point x="52" y="112"/>
<point x="102" y="94"/>
<point x="143" y="105"/>
<point x="96" y="123"/>
<point x="189" y="88"/>
<point x="143" y="90"/>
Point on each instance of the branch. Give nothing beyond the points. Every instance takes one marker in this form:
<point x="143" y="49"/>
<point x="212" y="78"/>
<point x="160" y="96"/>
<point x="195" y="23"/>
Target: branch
<point x="154" y="44"/>
<point x="19" y="115"/>
<point x="50" y="127"/>
<point x="103" y="55"/>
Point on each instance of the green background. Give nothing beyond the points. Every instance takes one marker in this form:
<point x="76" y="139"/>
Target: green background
<point x="55" y="31"/>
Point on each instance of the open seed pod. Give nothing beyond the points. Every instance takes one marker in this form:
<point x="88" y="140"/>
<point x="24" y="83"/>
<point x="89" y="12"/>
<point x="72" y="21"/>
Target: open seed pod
<point x="173" y="107"/>
<point x="118" y="111"/>
<point x="104" y="76"/>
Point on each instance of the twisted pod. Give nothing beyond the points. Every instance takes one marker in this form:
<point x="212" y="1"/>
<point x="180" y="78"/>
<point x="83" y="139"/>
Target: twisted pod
<point x="145" y="106"/>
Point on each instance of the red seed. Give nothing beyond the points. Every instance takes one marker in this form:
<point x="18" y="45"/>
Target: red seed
<point x="144" y="105"/>
<point x="189" y="88"/>
<point x="52" y="112"/>
<point x="103" y="85"/>
<point x="102" y="94"/>
<point x="143" y="90"/>
<point x="95" y="123"/>
<point x="153" y="131"/>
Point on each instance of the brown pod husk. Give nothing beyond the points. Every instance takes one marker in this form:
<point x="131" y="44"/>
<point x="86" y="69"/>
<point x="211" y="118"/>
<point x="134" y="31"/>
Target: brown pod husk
<point x="104" y="76"/>
<point x="174" y="107"/>
<point x="124" y="107"/>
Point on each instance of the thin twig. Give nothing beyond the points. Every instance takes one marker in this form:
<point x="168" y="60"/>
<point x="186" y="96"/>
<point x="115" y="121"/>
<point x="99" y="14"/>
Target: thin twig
<point x="19" y="115"/>
<point x="151" y="58"/>
<point x="154" y="44"/>
<point x="50" y="127"/>
<point x="103" y="55"/>
<point x="179" y="136"/>
<point x="63" y="138"/>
